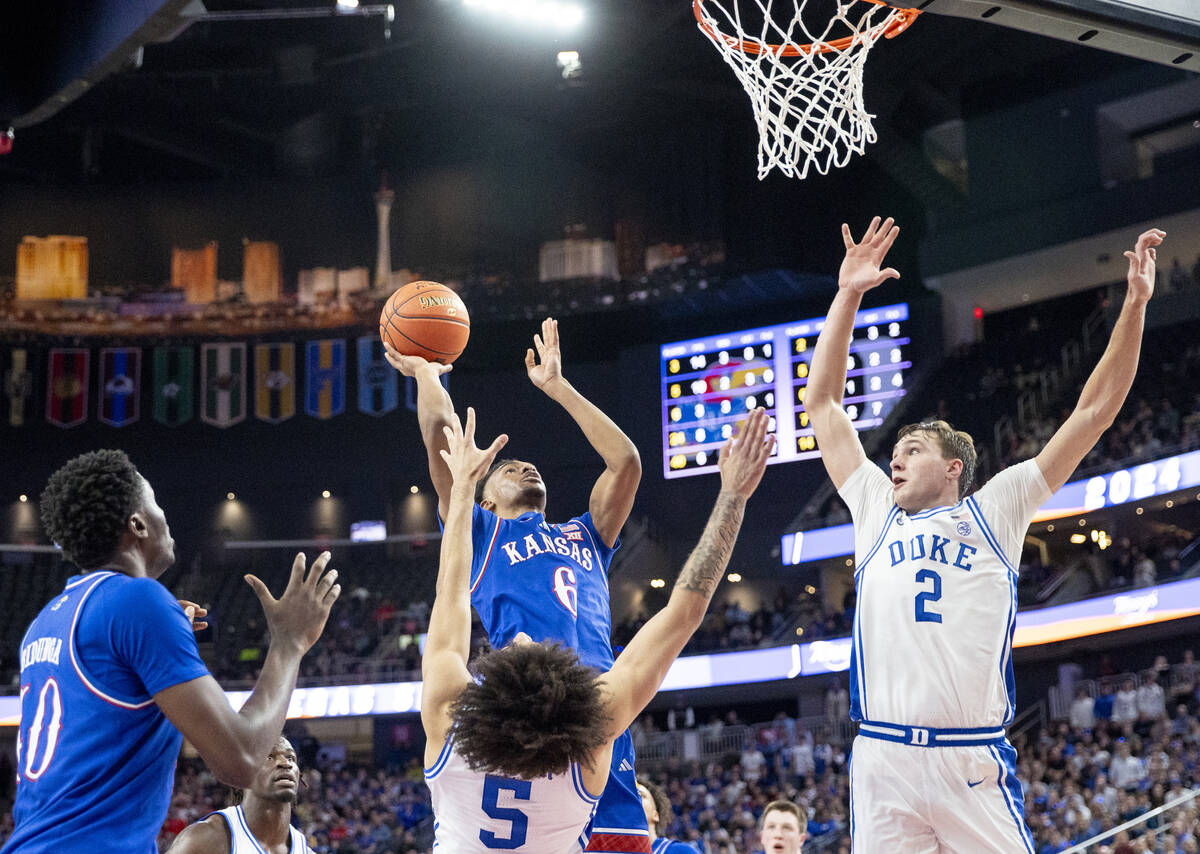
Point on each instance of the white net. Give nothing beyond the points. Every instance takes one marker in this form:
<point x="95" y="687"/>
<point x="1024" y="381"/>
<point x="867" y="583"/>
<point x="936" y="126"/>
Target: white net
<point x="804" y="78"/>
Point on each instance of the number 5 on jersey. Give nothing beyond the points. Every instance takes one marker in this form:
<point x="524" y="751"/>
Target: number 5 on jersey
<point x="492" y="787"/>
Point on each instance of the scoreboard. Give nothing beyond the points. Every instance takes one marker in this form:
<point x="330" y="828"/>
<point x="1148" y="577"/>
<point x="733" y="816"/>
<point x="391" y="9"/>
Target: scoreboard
<point x="709" y="384"/>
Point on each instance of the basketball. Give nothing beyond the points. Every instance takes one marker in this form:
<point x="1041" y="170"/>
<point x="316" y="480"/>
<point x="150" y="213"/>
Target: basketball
<point x="426" y="319"/>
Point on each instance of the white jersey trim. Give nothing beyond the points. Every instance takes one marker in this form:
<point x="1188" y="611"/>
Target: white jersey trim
<point x="108" y="698"/>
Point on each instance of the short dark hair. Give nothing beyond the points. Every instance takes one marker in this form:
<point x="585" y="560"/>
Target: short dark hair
<point x="496" y="466"/>
<point x="532" y="710"/>
<point x="87" y="503"/>
<point x="661" y="803"/>
<point x="955" y="445"/>
<point x="798" y="811"/>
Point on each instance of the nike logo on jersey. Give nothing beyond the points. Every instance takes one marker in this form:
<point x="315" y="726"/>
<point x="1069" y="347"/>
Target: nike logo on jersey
<point x="625" y="766"/>
<point x="518" y="551"/>
<point x="971" y="785"/>
<point x="935" y="550"/>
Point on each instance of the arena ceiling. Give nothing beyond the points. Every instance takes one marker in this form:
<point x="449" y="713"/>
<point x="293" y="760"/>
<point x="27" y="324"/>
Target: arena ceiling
<point x="208" y="97"/>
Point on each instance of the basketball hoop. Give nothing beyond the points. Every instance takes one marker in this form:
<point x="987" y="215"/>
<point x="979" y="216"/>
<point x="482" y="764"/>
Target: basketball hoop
<point x="804" y="79"/>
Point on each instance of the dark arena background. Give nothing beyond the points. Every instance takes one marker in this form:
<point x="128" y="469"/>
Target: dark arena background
<point x="203" y="206"/>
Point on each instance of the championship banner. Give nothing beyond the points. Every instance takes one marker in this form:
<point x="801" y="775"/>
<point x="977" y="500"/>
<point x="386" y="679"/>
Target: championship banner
<point x="174" y="385"/>
<point x="274" y="382"/>
<point x="223" y="383"/>
<point x="67" y="386"/>
<point x="378" y="382"/>
<point x="17" y="379"/>
<point x="120" y="385"/>
<point x="325" y="378"/>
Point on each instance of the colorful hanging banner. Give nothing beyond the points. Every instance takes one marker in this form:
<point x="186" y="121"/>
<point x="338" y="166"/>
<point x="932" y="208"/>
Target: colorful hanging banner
<point x="18" y="386"/>
<point x="378" y="382"/>
<point x="174" y="385"/>
<point x="67" y="386"/>
<point x="223" y="383"/>
<point x="120" y="386"/>
<point x="274" y="382"/>
<point x="325" y="378"/>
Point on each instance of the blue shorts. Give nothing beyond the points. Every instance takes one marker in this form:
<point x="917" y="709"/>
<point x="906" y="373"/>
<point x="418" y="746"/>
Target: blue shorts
<point x="619" y="826"/>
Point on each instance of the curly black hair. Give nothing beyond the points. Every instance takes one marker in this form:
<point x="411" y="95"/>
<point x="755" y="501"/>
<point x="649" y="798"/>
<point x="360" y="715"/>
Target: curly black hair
<point x="533" y="710"/>
<point x="87" y="503"/>
<point x="496" y="466"/>
<point x="666" y="813"/>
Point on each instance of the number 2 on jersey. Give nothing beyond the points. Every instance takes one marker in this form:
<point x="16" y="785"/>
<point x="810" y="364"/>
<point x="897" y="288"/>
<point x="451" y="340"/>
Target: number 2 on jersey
<point x="927" y="596"/>
<point x="492" y="787"/>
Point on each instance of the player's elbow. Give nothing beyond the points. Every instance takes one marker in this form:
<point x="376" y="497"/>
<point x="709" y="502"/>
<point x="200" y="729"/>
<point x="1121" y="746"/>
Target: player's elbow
<point x="235" y="769"/>
<point x="629" y="465"/>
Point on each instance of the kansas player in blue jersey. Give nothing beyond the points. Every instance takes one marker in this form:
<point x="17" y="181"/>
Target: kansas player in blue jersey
<point x="517" y="744"/>
<point x="549" y="581"/>
<point x="935" y="573"/>
<point x="111" y="680"/>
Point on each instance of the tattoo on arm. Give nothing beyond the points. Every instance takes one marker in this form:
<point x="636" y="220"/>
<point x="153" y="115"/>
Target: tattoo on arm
<point x="706" y="564"/>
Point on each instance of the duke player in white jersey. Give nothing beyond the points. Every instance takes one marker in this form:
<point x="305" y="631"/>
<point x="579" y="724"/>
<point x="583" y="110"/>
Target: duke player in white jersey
<point x="262" y="822"/>
<point x="518" y="751"/>
<point x="936" y="578"/>
<point x="548" y="581"/>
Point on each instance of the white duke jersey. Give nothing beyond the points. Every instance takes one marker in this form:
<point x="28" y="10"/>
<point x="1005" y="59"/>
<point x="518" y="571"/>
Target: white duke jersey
<point x="242" y="841"/>
<point x="937" y="601"/>
<point x="478" y="813"/>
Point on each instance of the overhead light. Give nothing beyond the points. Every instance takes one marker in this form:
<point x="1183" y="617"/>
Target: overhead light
<point x="569" y="64"/>
<point x="23" y="498"/>
<point x="800" y="631"/>
<point x="735" y="577"/>
<point x="1049" y="529"/>
<point x="560" y="14"/>
<point x="413" y="489"/>
<point x="1078" y="539"/>
<point x="810" y="590"/>
<point x="229" y="496"/>
<point x="325" y="493"/>
<point x="1170" y="503"/>
<point x="346" y="5"/>
<point x="657" y="583"/>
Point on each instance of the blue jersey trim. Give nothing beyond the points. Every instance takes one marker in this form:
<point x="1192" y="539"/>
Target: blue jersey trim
<point x="442" y="758"/>
<point x="1010" y="790"/>
<point x="1006" y="660"/>
<point x="242" y="820"/>
<point x="977" y="512"/>
<point x="931" y="736"/>
<point x="933" y="511"/>
<point x="487" y="556"/>
<point x="850" y="769"/>
<point x="858" y="671"/>
<point x="580" y="788"/>
<point x="887" y="523"/>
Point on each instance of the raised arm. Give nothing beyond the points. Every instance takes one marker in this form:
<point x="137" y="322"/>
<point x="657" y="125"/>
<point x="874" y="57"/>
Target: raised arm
<point x="448" y="644"/>
<point x="639" y="671"/>
<point x="234" y="744"/>
<point x="1104" y="392"/>
<point x="841" y="450"/>
<point x="612" y="496"/>
<point x="434" y="412"/>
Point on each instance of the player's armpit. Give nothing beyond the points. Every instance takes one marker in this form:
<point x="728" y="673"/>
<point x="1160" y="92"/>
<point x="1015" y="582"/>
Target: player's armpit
<point x="200" y="711"/>
<point x="210" y="836"/>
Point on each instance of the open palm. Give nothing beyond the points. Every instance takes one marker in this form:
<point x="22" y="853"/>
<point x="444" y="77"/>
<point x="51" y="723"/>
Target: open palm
<point x="860" y="269"/>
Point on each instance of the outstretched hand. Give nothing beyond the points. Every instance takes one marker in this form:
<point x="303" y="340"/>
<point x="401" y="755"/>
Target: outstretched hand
<point x="195" y="614"/>
<point x="743" y="458"/>
<point x="468" y="463"/>
<point x="1142" y="262"/>
<point x="860" y="269"/>
<point x="411" y="365"/>
<point x="298" y="617"/>
<point x="549" y="354"/>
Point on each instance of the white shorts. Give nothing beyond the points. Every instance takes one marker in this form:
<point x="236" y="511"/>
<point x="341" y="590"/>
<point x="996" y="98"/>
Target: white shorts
<point x="936" y="800"/>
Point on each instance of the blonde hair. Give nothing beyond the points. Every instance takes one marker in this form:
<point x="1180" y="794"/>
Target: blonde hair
<point x="954" y="444"/>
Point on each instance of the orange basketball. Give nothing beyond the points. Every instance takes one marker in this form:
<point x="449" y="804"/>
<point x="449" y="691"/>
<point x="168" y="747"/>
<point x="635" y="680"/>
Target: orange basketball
<point x="426" y="319"/>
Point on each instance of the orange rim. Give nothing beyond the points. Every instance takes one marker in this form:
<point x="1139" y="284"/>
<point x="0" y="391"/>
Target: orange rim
<point x="897" y="24"/>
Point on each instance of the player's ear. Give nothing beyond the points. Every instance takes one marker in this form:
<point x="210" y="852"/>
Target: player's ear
<point x="137" y="525"/>
<point x="487" y="504"/>
<point x="954" y="469"/>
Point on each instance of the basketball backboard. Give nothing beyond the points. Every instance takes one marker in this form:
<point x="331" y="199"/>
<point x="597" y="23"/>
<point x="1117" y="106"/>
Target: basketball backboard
<point x="1162" y="31"/>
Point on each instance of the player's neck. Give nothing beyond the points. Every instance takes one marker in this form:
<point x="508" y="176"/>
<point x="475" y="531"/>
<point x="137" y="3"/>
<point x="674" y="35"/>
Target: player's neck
<point x="518" y="510"/>
<point x="268" y="820"/>
<point x="125" y="562"/>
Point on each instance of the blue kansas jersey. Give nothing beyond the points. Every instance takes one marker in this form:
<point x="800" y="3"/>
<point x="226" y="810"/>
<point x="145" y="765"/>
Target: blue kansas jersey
<point x="95" y="756"/>
<point x="549" y="581"/>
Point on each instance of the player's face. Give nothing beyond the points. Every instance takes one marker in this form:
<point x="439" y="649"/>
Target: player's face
<point x="648" y="806"/>
<point x="921" y="476"/>
<point x="781" y="833"/>
<point x="516" y="484"/>
<point x="278" y="778"/>
<point x="158" y="544"/>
